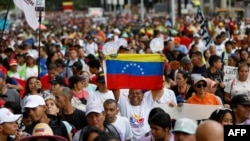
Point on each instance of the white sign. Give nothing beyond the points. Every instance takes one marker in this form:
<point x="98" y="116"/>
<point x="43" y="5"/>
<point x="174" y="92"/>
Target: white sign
<point x="192" y="111"/>
<point x="95" y="12"/>
<point x="156" y="45"/>
<point x="230" y="73"/>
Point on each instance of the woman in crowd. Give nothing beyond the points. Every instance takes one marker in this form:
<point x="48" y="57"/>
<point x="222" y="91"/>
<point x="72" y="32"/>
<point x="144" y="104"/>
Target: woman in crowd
<point x="244" y="56"/>
<point x="232" y="60"/>
<point x="200" y="95"/>
<point x="206" y="55"/>
<point x="88" y="86"/>
<point x="183" y="85"/>
<point x="239" y="85"/>
<point x="160" y="125"/>
<point x="33" y="87"/>
<point x="225" y="116"/>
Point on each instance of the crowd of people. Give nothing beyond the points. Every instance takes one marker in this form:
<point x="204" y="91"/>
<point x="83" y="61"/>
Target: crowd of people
<point x="53" y="85"/>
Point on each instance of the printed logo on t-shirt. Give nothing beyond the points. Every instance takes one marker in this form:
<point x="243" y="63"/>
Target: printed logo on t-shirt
<point x="136" y="121"/>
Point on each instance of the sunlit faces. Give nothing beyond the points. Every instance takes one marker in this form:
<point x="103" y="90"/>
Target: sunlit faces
<point x="51" y="107"/>
<point x="200" y="87"/>
<point x="111" y="110"/>
<point x="135" y="97"/>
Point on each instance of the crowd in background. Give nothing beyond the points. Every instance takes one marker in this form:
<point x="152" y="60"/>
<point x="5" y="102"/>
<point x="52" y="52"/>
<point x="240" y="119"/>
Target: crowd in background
<point x="55" y="76"/>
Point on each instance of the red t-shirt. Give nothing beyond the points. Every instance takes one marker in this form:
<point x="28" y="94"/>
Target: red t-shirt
<point x="3" y="70"/>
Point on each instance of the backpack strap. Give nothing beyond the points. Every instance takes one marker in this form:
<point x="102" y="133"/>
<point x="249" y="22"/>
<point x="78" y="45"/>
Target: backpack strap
<point x="112" y="129"/>
<point x="67" y="66"/>
<point x="83" y="131"/>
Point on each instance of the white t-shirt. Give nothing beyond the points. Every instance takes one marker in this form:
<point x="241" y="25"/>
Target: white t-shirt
<point x="31" y="71"/>
<point x="97" y="96"/>
<point x="122" y="123"/>
<point x="91" y="48"/>
<point x="167" y="97"/>
<point x="235" y="87"/>
<point x="137" y="115"/>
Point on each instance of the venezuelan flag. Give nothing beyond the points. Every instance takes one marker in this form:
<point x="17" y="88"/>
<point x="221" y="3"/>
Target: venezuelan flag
<point x="134" y="71"/>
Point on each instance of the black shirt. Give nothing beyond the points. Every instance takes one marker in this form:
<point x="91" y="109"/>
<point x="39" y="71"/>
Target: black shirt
<point x="76" y="119"/>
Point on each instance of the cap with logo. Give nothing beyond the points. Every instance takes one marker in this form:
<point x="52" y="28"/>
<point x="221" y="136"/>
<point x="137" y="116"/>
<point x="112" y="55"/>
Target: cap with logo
<point x="33" y="101"/>
<point x="7" y="116"/>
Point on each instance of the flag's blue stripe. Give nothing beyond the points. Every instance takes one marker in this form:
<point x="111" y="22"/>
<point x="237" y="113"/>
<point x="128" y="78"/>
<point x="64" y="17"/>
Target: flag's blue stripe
<point x="134" y="68"/>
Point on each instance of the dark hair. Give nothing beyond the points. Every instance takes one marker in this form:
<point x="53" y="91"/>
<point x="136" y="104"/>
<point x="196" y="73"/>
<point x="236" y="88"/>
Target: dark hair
<point x="154" y="111"/>
<point x="14" y="106"/>
<point x="94" y="63"/>
<point x="213" y="59"/>
<point x="228" y="43"/>
<point x="161" y="119"/>
<point x="27" y="90"/>
<point x="198" y="53"/>
<point x="186" y="75"/>
<point x="91" y="129"/>
<point x="106" y="137"/>
<point x="219" y="113"/>
<point x="110" y="101"/>
<point x="204" y="53"/>
<point x="52" y="66"/>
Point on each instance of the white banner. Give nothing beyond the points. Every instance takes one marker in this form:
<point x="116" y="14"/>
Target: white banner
<point x="192" y="111"/>
<point x="230" y="73"/>
<point x="204" y="32"/>
<point x="28" y="7"/>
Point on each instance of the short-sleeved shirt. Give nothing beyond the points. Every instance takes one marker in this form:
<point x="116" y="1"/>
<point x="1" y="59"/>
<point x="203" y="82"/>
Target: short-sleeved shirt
<point x="235" y="87"/>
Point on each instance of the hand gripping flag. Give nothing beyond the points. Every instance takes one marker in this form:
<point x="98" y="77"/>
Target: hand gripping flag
<point x="134" y="71"/>
<point x="28" y="7"/>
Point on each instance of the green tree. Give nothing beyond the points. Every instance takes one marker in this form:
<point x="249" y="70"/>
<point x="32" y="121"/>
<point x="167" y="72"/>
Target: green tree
<point x="4" y="4"/>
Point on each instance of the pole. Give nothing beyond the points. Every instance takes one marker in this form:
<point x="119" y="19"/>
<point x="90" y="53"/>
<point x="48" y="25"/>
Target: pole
<point x="142" y="11"/>
<point x="129" y="7"/>
<point x="5" y="20"/>
<point x="173" y="12"/>
<point x="40" y="6"/>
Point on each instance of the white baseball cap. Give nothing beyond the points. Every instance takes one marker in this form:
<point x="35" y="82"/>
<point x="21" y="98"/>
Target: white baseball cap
<point x="185" y="125"/>
<point x="33" y="101"/>
<point x="199" y="78"/>
<point x="7" y="116"/>
<point x="94" y="107"/>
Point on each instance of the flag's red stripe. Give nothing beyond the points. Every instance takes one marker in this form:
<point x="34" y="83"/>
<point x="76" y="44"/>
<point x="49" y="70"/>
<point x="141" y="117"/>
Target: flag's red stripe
<point x="120" y="81"/>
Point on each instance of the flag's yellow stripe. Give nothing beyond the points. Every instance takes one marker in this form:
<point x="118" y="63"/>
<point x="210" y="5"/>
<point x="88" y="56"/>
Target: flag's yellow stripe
<point x="137" y="57"/>
<point x="67" y="3"/>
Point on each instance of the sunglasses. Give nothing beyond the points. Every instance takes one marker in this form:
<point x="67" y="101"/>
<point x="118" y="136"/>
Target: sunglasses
<point x="201" y="85"/>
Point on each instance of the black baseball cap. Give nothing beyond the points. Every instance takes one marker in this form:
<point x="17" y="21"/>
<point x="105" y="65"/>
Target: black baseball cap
<point x="77" y="65"/>
<point x="241" y="99"/>
<point x="100" y="77"/>
<point x="58" y="79"/>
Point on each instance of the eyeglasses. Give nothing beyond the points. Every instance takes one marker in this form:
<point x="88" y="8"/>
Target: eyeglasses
<point x="201" y="85"/>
